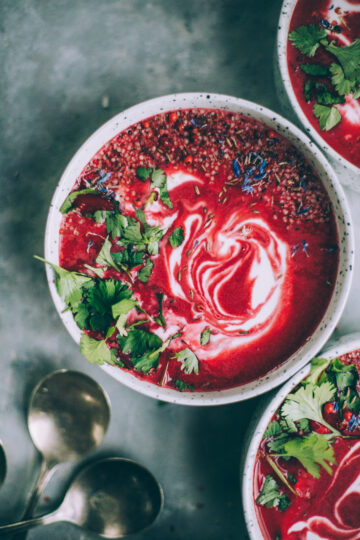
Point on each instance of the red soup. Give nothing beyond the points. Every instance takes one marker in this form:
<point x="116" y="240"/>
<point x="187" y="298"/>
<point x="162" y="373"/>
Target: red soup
<point x="307" y="471"/>
<point x="203" y="250"/>
<point x="323" y="55"/>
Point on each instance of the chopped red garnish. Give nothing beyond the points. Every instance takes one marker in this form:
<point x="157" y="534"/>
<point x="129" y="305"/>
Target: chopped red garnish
<point x="173" y="117"/>
<point x="188" y="160"/>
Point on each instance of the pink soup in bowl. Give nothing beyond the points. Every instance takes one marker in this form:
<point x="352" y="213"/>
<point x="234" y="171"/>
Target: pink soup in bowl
<point x="200" y="248"/>
<point x="319" y="61"/>
<point x="301" y="479"/>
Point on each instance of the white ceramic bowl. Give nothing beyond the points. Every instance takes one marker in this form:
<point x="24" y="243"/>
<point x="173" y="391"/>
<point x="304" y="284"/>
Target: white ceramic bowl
<point x="348" y="173"/>
<point x="261" y="419"/>
<point x="312" y="154"/>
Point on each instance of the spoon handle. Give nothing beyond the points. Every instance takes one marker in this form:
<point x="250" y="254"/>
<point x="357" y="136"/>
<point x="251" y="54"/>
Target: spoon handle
<point x="22" y="526"/>
<point x="46" y="471"/>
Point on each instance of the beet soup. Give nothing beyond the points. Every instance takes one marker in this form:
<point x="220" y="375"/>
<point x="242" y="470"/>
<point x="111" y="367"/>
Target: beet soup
<point x="198" y="250"/>
<point x="323" y="56"/>
<point x="307" y="470"/>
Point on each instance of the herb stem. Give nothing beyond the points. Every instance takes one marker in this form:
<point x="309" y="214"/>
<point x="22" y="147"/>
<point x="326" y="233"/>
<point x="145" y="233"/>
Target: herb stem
<point x="280" y="475"/>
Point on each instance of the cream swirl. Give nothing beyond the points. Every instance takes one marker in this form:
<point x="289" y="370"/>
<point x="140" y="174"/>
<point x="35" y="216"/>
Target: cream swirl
<point x="231" y="268"/>
<point x="344" y="490"/>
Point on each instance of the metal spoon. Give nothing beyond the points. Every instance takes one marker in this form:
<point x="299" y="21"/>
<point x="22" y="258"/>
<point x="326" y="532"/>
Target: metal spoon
<point x="112" y="497"/>
<point x="2" y="464"/>
<point x="68" y="417"/>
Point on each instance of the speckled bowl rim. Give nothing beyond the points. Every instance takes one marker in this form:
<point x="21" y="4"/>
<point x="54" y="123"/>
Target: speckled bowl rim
<point x="261" y="420"/>
<point x="287" y="9"/>
<point x="314" y="156"/>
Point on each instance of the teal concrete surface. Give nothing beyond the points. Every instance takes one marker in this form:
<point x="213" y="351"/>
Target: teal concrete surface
<point x="66" y="67"/>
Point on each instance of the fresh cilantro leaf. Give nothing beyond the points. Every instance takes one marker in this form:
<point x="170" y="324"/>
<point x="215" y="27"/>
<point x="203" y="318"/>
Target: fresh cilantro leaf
<point x="66" y="282"/>
<point x="95" y="310"/>
<point x="307" y="402"/>
<point x="158" y="179"/>
<point x="177" y="237"/>
<point x="325" y="97"/>
<point x="160" y="319"/>
<point x="129" y="257"/>
<point x="182" y="386"/>
<point x="272" y="429"/>
<point x="321" y="93"/>
<point x="303" y="425"/>
<point x="270" y="495"/>
<point x="99" y="272"/>
<point x="132" y="232"/>
<point x="328" y="117"/>
<point x="81" y="315"/>
<point x="288" y="426"/>
<point x="343" y="380"/>
<point x="349" y="58"/>
<point x="342" y="85"/>
<point x="189" y="361"/>
<point x="311" y="451"/>
<point x="68" y="204"/>
<point x="104" y="257"/>
<point x="146" y="362"/>
<point x="138" y="342"/>
<point x="276" y="445"/>
<point x="316" y="70"/>
<point x="143" y="173"/>
<point x="115" y="222"/>
<point x="291" y="478"/>
<point x="308" y="90"/>
<point x="123" y="307"/>
<point x="307" y="38"/>
<point x="96" y="351"/>
<point x="143" y="348"/>
<point x="205" y="336"/>
<point x="318" y="366"/>
<point x="145" y="271"/>
<point x="337" y="366"/>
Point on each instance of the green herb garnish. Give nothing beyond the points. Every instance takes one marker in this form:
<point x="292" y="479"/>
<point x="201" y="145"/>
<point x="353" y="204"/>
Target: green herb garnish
<point x="68" y="204"/>
<point x="343" y="75"/>
<point x="270" y="495"/>
<point x="177" y="237"/>
<point x="96" y="351"/>
<point x="205" y="336"/>
<point x="189" y="361"/>
<point x="307" y="38"/>
<point x="328" y="117"/>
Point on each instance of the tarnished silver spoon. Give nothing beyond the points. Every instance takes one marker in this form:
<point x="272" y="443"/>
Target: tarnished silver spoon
<point x="112" y="497"/>
<point x="67" y="418"/>
<point x="2" y="464"/>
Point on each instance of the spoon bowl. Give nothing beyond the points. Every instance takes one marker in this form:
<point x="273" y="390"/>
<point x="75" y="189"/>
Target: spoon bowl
<point x="113" y="498"/>
<point x="68" y="417"/>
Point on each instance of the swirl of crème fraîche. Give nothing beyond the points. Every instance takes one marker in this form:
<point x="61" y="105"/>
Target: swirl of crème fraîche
<point x="342" y="497"/>
<point x="230" y="270"/>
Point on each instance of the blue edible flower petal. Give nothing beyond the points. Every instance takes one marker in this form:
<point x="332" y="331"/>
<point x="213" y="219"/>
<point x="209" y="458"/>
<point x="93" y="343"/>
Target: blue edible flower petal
<point x="305" y="245"/>
<point x="236" y="168"/>
<point x="294" y="250"/>
<point x="103" y="177"/>
<point x="353" y="422"/>
<point x="325" y="23"/>
<point x="247" y="188"/>
<point x="300" y="211"/>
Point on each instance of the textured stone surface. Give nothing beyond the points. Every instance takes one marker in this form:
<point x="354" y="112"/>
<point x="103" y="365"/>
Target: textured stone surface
<point x="61" y="62"/>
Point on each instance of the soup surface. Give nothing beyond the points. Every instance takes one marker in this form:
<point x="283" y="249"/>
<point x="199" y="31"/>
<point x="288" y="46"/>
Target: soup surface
<point x="307" y="472"/>
<point x="204" y="248"/>
<point x="324" y="40"/>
